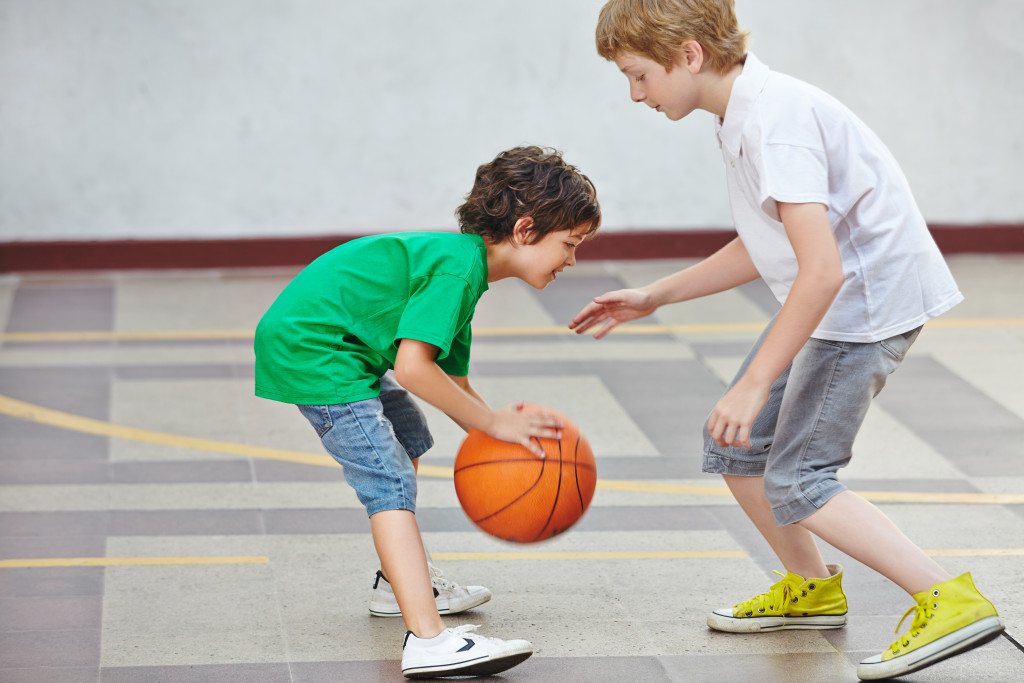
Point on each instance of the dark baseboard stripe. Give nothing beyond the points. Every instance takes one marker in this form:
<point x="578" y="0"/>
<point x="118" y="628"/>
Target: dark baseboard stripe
<point x="23" y="256"/>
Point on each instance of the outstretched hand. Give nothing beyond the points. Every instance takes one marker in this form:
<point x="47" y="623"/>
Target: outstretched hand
<point x="516" y="425"/>
<point x="611" y="309"/>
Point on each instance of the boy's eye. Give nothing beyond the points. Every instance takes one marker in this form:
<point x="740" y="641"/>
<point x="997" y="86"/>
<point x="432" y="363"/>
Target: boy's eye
<point x="640" y="77"/>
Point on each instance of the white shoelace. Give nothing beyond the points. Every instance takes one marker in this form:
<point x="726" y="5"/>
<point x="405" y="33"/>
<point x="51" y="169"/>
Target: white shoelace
<point x="437" y="578"/>
<point x="466" y="631"/>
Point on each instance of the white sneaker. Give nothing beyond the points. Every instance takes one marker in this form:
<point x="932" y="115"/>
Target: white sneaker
<point x="457" y="652"/>
<point x="451" y="598"/>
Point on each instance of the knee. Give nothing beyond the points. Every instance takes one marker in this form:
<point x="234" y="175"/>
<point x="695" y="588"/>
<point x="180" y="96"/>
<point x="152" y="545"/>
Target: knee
<point x="384" y="489"/>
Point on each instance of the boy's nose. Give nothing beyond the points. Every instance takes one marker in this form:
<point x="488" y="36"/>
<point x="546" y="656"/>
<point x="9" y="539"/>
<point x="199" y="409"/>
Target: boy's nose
<point x="635" y="94"/>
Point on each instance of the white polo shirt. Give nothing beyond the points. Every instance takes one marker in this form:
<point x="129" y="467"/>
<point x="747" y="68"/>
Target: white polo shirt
<point x="786" y="141"/>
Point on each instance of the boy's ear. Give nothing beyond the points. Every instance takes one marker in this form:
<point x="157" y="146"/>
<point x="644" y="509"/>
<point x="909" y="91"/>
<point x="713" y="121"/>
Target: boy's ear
<point x="691" y="56"/>
<point x="522" y="231"/>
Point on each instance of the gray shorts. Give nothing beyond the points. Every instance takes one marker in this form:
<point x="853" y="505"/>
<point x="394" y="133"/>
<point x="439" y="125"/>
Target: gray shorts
<point x="806" y="429"/>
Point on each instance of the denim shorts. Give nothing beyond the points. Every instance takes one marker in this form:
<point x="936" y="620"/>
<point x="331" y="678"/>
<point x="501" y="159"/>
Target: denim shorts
<point x="805" y="431"/>
<point x="375" y="441"/>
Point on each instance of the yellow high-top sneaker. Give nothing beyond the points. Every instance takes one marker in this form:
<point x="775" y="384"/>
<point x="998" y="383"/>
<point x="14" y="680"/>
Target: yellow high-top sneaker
<point x="792" y="603"/>
<point x="951" y="618"/>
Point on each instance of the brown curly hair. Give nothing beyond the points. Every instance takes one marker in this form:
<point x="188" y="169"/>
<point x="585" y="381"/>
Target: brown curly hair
<point x="532" y="182"/>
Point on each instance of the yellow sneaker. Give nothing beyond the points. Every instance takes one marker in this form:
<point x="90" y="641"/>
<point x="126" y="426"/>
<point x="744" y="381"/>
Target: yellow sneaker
<point x="792" y="603"/>
<point x="951" y="618"/>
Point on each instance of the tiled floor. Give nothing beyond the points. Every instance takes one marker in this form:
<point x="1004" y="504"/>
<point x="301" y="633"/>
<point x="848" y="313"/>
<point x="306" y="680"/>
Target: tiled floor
<point x="159" y="523"/>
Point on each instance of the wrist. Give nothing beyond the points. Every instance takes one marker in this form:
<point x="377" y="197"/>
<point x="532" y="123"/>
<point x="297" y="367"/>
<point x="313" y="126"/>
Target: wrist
<point x="754" y="379"/>
<point x="655" y="298"/>
<point x="489" y="422"/>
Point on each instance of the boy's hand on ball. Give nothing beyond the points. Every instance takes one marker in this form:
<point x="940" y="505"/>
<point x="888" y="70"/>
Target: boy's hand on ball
<point x="522" y="499"/>
<point x="516" y="425"/>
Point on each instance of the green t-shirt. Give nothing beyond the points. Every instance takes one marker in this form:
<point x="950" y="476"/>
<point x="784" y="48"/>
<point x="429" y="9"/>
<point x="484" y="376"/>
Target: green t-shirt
<point x="335" y="328"/>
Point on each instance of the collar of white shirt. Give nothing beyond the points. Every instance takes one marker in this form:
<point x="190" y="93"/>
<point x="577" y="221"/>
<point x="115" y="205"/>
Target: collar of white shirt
<point x="745" y="91"/>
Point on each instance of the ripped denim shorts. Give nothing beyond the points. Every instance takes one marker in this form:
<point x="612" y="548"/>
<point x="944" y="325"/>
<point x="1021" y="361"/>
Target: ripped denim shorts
<point x="375" y="441"/>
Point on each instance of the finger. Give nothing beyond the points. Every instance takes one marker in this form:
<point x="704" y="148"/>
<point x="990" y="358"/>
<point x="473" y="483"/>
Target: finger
<point x="715" y="429"/>
<point x="547" y="420"/>
<point x="743" y="437"/>
<point x="581" y="323"/>
<point x="608" y="326"/>
<point x="534" y="447"/>
<point x="582" y="326"/>
<point x="594" y="321"/>
<point x="614" y="298"/>
<point x="588" y="311"/>
<point x="548" y="433"/>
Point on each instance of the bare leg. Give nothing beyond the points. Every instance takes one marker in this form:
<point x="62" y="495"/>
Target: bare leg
<point x="416" y="466"/>
<point x="793" y="544"/>
<point x="862" y="531"/>
<point x="404" y="562"/>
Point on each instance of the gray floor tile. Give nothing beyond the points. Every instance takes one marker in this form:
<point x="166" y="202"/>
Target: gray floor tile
<point x="950" y="421"/>
<point x="68" y="613"/>
<point x="51" y="582"/>
<point x="31" y="649"/>
<point x="210" y="673"/>
<point x="58" y="308"/>
<point x="51" y="674"/>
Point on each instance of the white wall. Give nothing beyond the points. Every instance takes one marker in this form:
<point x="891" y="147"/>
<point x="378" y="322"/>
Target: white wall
<point x="245" y="118"/>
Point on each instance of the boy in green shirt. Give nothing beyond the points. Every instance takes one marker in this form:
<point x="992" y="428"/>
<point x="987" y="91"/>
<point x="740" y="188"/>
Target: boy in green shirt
<point x="404" y="302"/>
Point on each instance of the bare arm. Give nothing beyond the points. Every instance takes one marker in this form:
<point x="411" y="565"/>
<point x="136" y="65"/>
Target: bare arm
<point x="728" y="267"/>
<point x="819" y="278"/>
<point x="417" y="372"/>
<point x="463" y="383"/>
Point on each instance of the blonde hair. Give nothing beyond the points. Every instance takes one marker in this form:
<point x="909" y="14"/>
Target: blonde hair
<point x="656" y="29"/>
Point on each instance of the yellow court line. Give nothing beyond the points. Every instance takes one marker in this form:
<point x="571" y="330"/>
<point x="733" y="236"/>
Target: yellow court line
<point x="493" y="331"/>
<point x="938" y="497"/>
<point x="55" y="418"/>
<point x="128" y="561"/>
<point x="662" y="487"/>
<point x="880" y="496"/>
<point x="86" y="425"/>
<point x="136" y="335"/>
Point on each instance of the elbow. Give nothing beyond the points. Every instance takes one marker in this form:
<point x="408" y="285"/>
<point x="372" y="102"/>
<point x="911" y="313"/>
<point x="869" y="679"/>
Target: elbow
<point x="406" y="374"/>
<point x="825" y="281"/>
<point x="829" y="275"/>
<point x="834" y="282"/>
<point x="829" y="284"/>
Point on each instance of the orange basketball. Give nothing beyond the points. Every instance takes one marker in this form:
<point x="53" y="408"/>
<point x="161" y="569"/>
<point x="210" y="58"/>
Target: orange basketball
<point x="512" y="494"/>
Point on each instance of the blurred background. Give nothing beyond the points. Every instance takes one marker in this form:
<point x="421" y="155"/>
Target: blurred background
<point x="236" y="119"/>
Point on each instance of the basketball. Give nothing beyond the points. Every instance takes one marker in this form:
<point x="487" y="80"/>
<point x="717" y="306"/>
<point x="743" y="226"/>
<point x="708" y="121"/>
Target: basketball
<point x="510" y="493"/>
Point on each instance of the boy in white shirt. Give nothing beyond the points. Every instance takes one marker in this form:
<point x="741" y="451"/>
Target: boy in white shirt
<point x="825" y="216"/>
